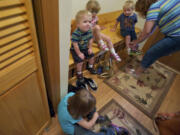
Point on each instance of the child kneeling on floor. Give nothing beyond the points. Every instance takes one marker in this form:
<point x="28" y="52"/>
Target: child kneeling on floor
<point x="82" y="40"/>
<point x="73" y="112"/>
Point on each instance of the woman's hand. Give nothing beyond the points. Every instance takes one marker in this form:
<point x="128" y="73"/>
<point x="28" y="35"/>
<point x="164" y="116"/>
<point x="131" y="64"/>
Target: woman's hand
<point x="133" y="44"/>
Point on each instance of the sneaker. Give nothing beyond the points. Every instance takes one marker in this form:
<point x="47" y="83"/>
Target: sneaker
<point x="92" y="70"/>
<point x="91" y="83"/>
<point x="104" y="47"/>
<point x="116" y="56"/>
<point x="80" y="84"/>
<point x="119" y="130"/>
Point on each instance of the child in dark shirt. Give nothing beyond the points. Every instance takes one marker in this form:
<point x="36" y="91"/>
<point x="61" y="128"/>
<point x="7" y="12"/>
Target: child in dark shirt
<point x="127" y="21"/>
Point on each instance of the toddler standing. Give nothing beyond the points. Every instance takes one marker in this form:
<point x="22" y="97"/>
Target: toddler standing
<point x="127" y="21"/>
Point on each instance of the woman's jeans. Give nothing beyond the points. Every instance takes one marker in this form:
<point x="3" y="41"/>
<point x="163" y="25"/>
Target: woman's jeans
<point x="163" y="47"/>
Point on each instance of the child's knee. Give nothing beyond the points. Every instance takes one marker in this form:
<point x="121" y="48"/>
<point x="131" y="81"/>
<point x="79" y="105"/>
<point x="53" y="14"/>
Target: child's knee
<point x="97" y="28"/>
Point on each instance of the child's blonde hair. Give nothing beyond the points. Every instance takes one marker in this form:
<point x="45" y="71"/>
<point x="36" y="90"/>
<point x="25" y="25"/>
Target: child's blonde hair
<point x="81" y="104"/>
<point x="81" y="14"/>
<point x="93" y="6"/>
<point x="129" y="4"/>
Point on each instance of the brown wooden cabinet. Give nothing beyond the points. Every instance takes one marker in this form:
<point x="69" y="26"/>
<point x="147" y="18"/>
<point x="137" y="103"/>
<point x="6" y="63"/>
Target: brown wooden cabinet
<point x="23" y="100"/>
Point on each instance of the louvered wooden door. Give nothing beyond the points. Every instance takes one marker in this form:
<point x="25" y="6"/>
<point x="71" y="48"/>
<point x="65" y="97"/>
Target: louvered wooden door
<point x="23" y="101"/>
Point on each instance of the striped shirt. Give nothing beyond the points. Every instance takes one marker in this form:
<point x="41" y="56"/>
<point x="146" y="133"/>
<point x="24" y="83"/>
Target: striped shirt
<point x="82" y="38"/>
<point x="166" y="13"/>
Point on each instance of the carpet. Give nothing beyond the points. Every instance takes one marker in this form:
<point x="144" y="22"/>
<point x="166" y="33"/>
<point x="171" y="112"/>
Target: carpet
<point x="148" y="97"/>
<point x="127" y="122"/>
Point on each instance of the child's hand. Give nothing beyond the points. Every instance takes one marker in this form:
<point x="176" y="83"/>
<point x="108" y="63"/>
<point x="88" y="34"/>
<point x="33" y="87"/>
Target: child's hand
<point x="133" y="44"/>
<point x="89" y="51"/>
<point x="81" y="55"/>
<point x="96" y="115"/>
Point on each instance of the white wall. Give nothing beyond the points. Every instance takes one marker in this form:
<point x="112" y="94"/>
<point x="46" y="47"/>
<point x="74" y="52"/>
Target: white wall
<point x="64" y="42"/>
<point x="106" y="5"/>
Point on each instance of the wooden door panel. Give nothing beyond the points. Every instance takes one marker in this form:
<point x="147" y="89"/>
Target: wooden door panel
<point x="23" y="100"/>
<point x="23" y="108"/>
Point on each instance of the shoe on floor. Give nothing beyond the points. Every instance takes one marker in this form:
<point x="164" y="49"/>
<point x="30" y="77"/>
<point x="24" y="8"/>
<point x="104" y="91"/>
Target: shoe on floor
<point x="92" y="70"/>
<point x="80" y="84"/>
<point x="91" y="83"/>
<point x="119" y="130"/>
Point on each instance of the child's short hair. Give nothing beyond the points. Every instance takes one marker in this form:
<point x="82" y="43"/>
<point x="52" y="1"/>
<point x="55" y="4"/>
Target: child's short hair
<point x="142" y="6"/>
<point x="93" y="6"/>
<point x="129" y="4"/>
<point x="81" y="14"/>
<point x="80" y="104"/>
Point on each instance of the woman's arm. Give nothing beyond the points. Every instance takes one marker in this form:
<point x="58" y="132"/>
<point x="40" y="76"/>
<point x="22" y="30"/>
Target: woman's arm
<point x="88" y="124"/>
<point x="148" y="28"/>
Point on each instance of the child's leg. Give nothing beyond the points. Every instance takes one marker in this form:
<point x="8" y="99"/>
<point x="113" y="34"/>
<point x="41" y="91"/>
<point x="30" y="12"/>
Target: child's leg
<point x="79" y="71"/>
<point x="127" y="41"/>
<point x="110" y="46"/>
<point x="97" y="34"/>
<point x="90" y="66"/>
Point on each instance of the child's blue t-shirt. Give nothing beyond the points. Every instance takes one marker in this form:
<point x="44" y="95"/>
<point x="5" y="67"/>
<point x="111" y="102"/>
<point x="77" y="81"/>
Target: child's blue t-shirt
<point x="65" y="119"/>
<point x="127" y="23"/>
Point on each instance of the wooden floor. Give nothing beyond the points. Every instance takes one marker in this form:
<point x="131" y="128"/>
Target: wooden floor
<point x="104" y="94"/>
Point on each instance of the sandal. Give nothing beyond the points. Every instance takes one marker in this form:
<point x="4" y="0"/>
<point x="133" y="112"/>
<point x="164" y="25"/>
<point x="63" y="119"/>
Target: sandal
<point x="104" y="47"/>
<point x="104" y="75"/>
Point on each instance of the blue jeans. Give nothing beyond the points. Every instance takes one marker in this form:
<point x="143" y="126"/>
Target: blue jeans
<point x="82" y="131"/>
<point x="163" y="47"/>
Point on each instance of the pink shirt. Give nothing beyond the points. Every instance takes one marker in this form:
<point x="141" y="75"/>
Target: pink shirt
<point x="94" y="21"/>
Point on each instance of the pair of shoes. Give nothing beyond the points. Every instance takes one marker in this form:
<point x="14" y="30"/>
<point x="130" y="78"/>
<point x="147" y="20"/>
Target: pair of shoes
<point x="80" y="84"/>
<point x="91" y="83"/>
<point x="119" y="130"/>
<point x="116" y="56"/>
<point x="92" y="70"/>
